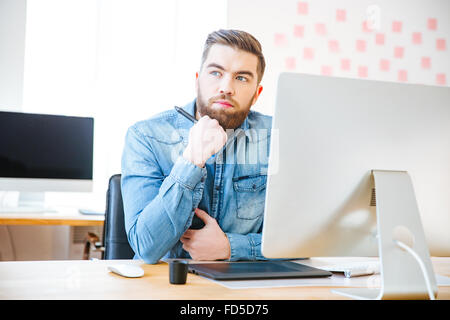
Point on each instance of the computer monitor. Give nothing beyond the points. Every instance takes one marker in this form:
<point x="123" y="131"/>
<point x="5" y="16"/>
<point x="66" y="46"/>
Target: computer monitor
<point x="42" y="152"/>
<point x="327" y="193"/>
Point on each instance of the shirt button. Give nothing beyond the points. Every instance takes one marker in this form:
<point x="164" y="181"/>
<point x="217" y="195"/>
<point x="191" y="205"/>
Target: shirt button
<point x="217" y="188"/>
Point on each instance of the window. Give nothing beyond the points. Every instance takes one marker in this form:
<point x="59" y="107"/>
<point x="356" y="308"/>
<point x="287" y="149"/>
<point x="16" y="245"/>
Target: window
<point x="118" y="61"/>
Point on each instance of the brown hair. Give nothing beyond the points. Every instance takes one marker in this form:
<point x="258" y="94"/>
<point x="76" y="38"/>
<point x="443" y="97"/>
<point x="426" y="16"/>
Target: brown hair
<point x="239" y="40"/>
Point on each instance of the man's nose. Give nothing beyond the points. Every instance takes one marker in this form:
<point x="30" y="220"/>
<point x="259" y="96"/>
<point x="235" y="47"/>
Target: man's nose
<point x="226" y="86"/>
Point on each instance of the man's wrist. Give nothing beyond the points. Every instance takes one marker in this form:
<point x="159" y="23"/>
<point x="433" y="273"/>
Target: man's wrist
<point x="228" y="248"/>
<point x="193" y="158"/>
<point x="187" y="174"/>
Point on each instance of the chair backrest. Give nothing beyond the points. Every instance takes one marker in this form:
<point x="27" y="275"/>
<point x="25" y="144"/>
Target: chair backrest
<point x="114" y="236"/>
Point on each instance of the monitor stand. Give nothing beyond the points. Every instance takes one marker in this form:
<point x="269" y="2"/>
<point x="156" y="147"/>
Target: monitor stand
<point x="29" y="202"/>
<point x="405" y="266"/>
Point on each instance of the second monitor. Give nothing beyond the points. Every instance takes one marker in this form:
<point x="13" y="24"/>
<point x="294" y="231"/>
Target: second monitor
<point x="43" y="152"/>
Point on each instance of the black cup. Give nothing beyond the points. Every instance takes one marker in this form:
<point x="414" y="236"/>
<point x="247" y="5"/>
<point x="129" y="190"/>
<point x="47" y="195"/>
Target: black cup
<point x="178" y="272"/>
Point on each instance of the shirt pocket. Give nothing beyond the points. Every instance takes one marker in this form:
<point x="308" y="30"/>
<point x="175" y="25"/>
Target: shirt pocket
<point x="250" y="196"/>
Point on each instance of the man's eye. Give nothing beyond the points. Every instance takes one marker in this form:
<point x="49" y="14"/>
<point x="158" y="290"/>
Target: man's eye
<point x="241" y="78"/>
<point x="215" y="73"/>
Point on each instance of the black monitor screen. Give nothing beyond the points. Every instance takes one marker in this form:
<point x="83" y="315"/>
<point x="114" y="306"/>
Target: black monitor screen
<point x="45" y="146"/>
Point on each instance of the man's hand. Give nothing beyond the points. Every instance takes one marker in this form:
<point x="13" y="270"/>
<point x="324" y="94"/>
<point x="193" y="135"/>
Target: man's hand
<point x="206" y="138"/>
<point x="208" y="243"/>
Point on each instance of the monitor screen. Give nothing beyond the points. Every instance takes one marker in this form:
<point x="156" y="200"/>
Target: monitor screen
<point x="332" y="133"/>
<point x="41" y="146"/>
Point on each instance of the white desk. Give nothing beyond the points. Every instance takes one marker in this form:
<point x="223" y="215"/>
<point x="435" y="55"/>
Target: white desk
<point x="84" y="279"/>
<point x="64" y="216"/>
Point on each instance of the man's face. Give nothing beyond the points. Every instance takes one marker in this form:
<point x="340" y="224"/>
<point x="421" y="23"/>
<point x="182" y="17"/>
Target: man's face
<point x="227" y="85"/>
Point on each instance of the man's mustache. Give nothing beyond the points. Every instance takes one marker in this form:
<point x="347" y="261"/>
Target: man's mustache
<point x="225" y="98"/>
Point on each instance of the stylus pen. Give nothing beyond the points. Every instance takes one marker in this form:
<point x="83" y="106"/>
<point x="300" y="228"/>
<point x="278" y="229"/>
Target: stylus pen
<point x="187" y="115"/>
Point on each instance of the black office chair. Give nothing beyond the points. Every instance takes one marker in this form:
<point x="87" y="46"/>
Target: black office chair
<point x="115" y="243"/>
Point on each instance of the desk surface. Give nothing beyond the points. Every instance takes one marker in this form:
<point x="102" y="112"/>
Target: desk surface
<point x="91" y="280"/>
<point x="64" y="216"/>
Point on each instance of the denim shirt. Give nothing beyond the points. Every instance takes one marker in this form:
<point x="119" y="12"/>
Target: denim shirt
<point x="161" y="189"/>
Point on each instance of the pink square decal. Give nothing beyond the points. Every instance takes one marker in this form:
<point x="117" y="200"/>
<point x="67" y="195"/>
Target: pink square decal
<point x="398" y="52"/>
<point x="396" y="26"/>
<point x="402" y="75"/>
<point x="290" y="63"/>
<point x="440" y="44"/>
<point x="384" y="65"/>
<point x="366" y="27"/>
<point x="379" y="38"/>
<point x="308" y="53"/>
<point x="333" y="46"/>
<point x="440" y="79"/>
<point x="280" y="39"/>
<point x="326" y="70"/>
<point x="299" y="31"/>
<point x="432" y="23"/>
<point x="345" y="64"/>
<point x="321" y="29"/>
<point x="425" y="62"/>
<point x="341" y="15"/>
<point x="363" y="71"/>
<point x="417" y="37"/>
<point x="302" y="8"/>
<point x="360" y="45"/>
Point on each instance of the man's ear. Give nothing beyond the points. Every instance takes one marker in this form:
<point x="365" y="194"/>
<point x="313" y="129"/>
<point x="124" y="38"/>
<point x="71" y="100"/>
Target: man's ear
<point x="258" y="92"/>
<point x="196" y="81"/>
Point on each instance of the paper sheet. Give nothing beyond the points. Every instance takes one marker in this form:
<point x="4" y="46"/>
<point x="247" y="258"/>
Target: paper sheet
<point x="336" y="280"/>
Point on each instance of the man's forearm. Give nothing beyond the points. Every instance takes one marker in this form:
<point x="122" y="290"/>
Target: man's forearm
<point x="154" y="230"/>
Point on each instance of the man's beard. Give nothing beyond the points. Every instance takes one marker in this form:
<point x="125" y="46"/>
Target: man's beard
<point x="228" y="118"/>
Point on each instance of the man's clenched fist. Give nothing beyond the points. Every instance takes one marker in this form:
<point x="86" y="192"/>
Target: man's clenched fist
<point x="206" y="138"/>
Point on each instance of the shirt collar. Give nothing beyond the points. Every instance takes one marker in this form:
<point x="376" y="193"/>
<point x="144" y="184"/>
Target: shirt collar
<point x="244" y="126"/>
<point x="191" y="107"/>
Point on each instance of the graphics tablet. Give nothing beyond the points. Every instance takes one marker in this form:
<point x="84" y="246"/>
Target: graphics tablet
<point x="247" y="270"/>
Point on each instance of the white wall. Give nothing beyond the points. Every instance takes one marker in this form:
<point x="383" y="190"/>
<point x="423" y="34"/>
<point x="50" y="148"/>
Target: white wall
<point x="354" y="39"/>
<point x="12" y="48"/>
<point x="330" y="30"/>
<point x="119" y="61"/>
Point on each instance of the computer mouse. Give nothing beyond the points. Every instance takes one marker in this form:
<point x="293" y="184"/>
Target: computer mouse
<point x="127" y="270"/>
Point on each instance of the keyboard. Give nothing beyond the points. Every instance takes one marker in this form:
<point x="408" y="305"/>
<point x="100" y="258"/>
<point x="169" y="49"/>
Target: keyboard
<point x="354" y="269"/>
